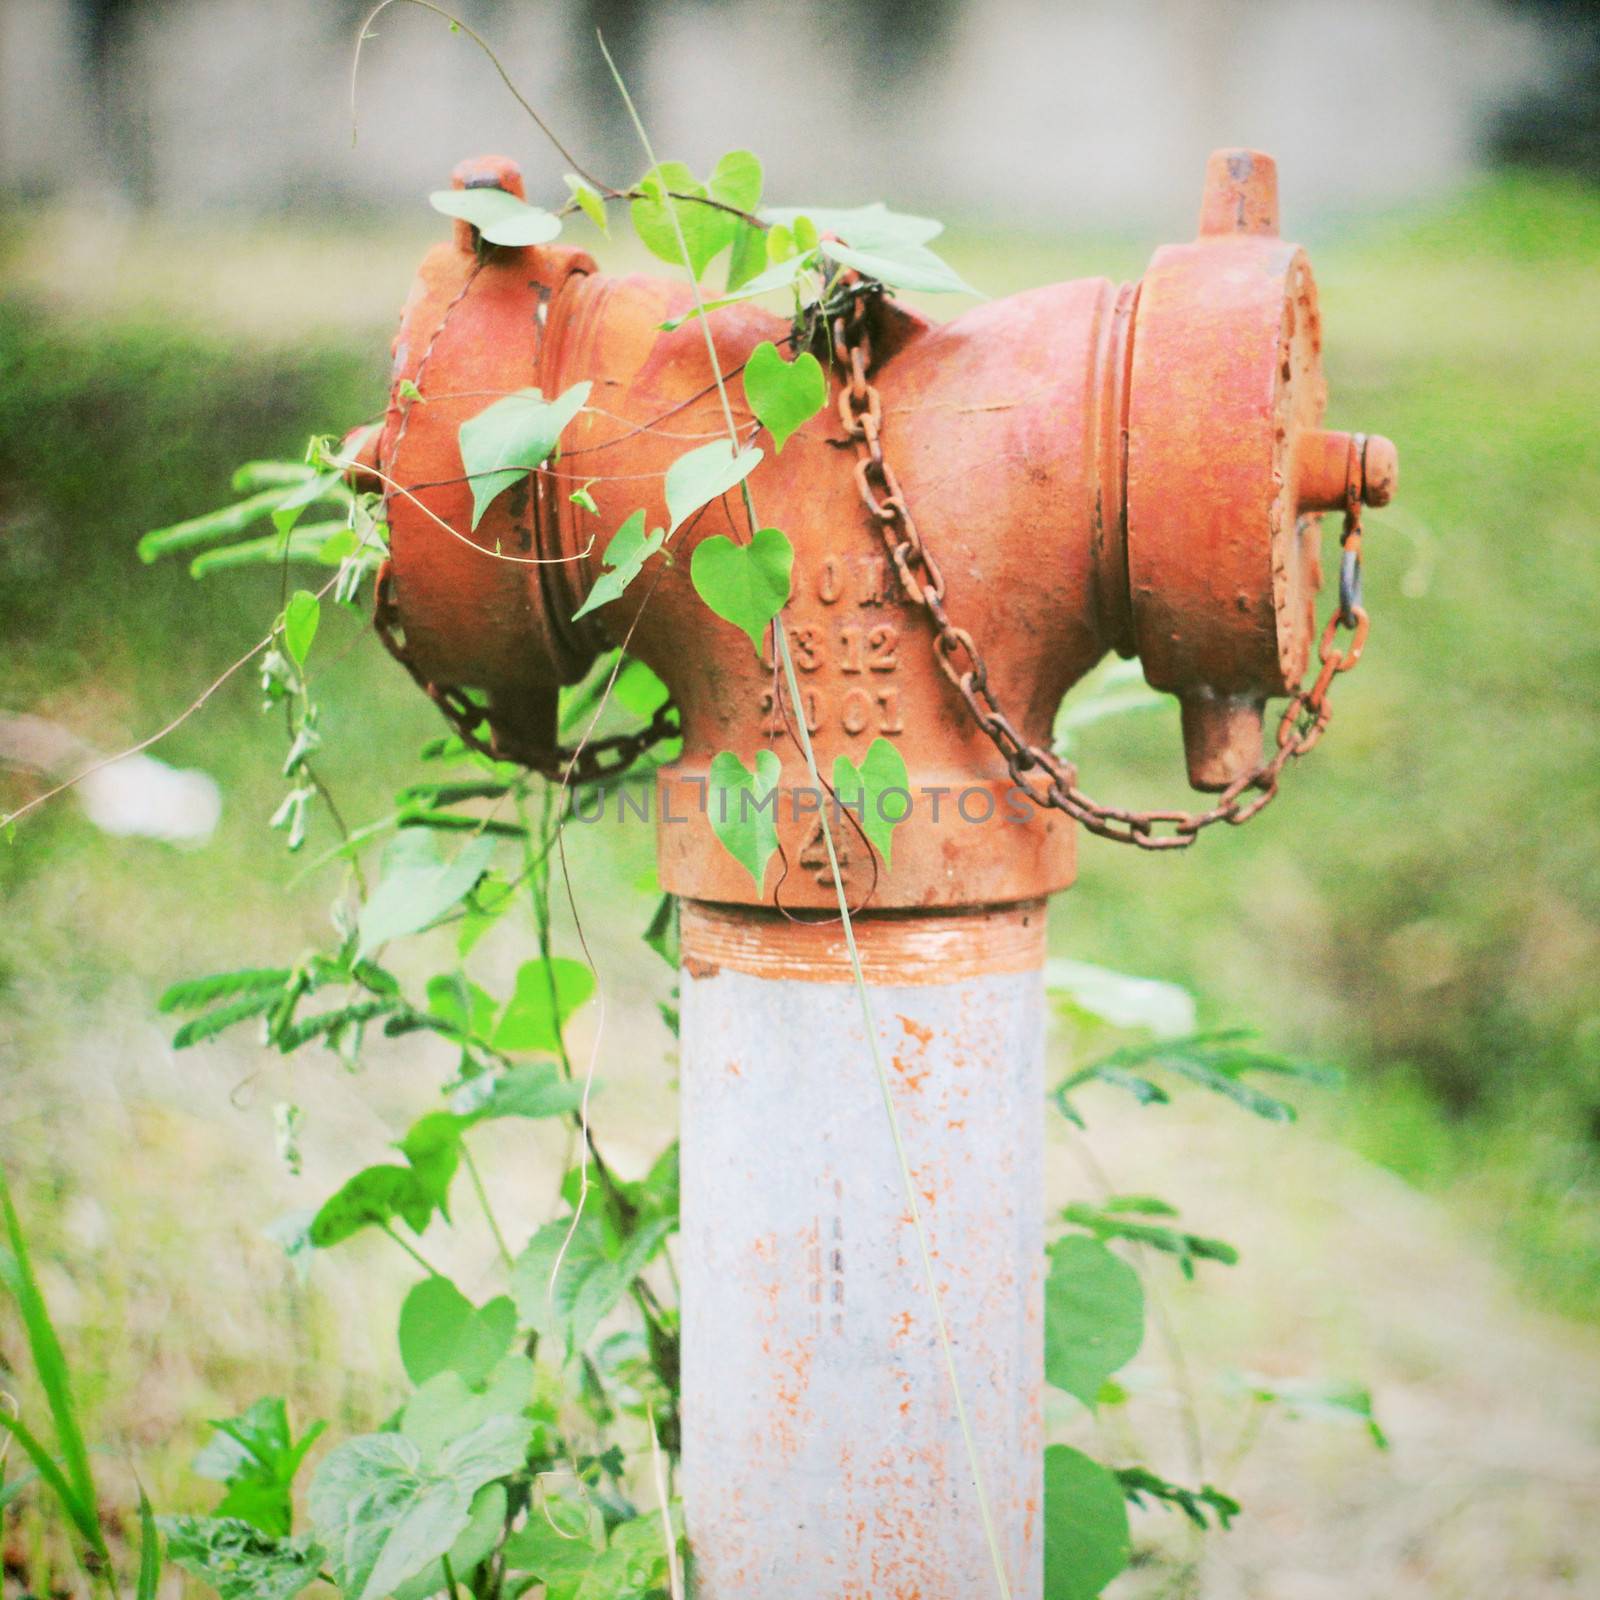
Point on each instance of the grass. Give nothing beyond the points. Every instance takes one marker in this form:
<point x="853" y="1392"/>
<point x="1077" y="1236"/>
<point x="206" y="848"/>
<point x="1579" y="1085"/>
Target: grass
<point x="1422" y="906"/>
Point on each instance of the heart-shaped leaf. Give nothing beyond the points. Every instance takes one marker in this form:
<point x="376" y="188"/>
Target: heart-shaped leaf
<point x="1093" y="1316"/>
<point x="499" y="217"/>
<point x="374" y="1197"/>
<point x="698" y="478"/>
<point x="748" y="258"/>
<point x="442" y="1331"/>
<point x="571" y="1276"/>
<point x="240" y="1561"/>
<point x="743" y="806"/>
<point x="887" y="245"/>
<point x="745" y="584"/>
<point x="512" y="437"/>
<point x="869" y="227"/>
<point x="639" y="690"/>
<point x="540" y="1004"/>
<point x="444" y="1408"/>
<point x="705" y="229"/>
<point x="1085" y="1525"/>
<point x="868" y="790"/>
<point x="563" y="1546"/>
<point x="466" y="1007"/>
<point x="910" y="266"/>
<point x="533" y="1089"/>
<point x="419" y="885"/>
<point x="589" y="202"/>
<point x="625" y="556"/>
<point x="784" y="395"/>
<point x="473" y="1545"/>
<point x="432" y="1145"/>
<point x="736" y="180"/>
<point x="383" y="1509"/>
<point x="325" y="486"/>
<point x="300" y="618"/>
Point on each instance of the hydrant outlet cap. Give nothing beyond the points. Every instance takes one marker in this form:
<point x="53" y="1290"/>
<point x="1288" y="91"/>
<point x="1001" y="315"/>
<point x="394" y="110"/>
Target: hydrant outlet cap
<point x="1221" y="738"/>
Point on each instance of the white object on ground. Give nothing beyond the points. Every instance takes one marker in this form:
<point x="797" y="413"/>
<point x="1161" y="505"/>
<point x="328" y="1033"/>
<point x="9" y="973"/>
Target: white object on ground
<point x="137" y="796"/>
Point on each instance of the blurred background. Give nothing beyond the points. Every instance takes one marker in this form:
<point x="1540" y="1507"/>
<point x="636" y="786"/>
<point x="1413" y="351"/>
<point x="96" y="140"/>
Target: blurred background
<point x="197" y="267"/>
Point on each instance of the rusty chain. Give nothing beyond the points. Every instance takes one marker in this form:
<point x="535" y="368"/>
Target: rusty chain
<point x="1037" y="771"/>
<point x="594" y="761"/>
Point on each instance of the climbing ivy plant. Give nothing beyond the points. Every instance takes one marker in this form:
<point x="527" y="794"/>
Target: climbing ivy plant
<point x="537" y="1438"/>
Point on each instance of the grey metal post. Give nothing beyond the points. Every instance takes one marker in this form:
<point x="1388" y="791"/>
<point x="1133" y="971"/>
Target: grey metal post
<point x="821" y="1453"/>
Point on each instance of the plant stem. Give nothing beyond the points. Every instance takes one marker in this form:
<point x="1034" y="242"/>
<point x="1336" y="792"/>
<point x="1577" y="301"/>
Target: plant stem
<point x="488" y="1210"/>
<point x="542" y="913"/>
<point x="416" y="1255"/>
<point x="1249" y="1431"/>
<point x="674" y="1576"/>
<point x="1182" y="1378"/>
<point x="477" y="39"/>
<point x="14" y="817"/>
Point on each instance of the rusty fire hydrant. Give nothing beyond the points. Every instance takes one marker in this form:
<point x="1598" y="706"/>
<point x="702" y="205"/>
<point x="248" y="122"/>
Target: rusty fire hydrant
<point x="1137" y="469"/>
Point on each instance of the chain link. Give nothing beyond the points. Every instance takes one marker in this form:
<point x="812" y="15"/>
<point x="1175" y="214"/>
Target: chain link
<point x="594" y="761"/>
<point x="1047" y="780"/>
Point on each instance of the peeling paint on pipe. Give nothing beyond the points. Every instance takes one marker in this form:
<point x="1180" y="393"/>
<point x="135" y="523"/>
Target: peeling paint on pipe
<point x="821" y="1456"/>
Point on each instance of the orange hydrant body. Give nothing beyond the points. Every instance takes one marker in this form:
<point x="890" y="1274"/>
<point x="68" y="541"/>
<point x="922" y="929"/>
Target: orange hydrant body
<point x="1135" y="469"/>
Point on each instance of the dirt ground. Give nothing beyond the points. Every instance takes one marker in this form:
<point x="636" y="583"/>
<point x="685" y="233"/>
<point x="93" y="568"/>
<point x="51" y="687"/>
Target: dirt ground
<point x="1491" y="1485"/>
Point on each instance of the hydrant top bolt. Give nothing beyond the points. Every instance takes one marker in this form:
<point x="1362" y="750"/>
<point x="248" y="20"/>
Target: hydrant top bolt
<point x="1240" y="195"/>
<point x="484" y="172"/>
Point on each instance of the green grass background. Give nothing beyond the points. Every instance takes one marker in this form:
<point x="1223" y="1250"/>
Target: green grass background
<point x="1421" y="907"/>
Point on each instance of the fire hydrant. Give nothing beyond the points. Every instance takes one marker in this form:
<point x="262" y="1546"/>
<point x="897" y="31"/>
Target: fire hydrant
<point x="1137" y="469"/>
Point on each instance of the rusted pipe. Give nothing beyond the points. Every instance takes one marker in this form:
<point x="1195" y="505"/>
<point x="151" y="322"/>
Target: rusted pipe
<point x="821" y="1452"/>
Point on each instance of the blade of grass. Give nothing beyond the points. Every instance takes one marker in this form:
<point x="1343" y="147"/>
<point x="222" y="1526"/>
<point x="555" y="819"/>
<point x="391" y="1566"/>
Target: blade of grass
<point x="149" y="1549"/>
<point x="10" y="1400"/>
<point x="84" y="1517"/>
<point x="10" y="1491"/>
<point x="16" y="1271"/>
